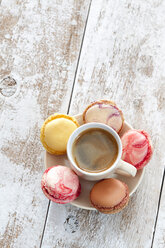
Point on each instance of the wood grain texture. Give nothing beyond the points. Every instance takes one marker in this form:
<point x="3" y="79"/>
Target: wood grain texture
<point x="39" y="48"/>
<point x="123" y="60"/>
<point x="159" y="238"/>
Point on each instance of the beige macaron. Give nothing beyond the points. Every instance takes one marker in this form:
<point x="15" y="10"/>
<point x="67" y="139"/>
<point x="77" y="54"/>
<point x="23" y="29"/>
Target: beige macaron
<point x="104" y="111"/>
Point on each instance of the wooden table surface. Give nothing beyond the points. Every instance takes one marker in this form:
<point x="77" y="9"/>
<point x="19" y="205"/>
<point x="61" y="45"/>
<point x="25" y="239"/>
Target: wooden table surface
<point x="58" y="56"/>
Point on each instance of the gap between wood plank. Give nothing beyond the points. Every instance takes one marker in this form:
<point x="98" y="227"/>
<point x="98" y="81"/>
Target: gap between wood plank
<point x="79" y="57"/>
<point x="45" y="223"/>
<point x="161" y="189"/>
<point x="42" y="236"/>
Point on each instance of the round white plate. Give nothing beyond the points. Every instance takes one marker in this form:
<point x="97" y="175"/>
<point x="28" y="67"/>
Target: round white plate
<point x="83" y="201"/>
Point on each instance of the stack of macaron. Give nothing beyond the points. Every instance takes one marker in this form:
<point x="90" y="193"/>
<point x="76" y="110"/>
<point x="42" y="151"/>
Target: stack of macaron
<point x="61" y="184"/>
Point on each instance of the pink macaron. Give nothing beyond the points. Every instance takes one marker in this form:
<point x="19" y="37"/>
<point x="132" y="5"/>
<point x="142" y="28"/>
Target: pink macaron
<point x="137" y="148"/>
<point x="60" y="184"/>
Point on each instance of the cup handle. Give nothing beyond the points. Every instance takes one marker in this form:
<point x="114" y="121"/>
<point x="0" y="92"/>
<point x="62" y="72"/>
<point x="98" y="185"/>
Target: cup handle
<point x="125" y="169"/>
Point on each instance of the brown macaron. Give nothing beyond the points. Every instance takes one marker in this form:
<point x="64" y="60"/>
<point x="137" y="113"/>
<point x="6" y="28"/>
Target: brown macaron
<point x="109" y="196"/>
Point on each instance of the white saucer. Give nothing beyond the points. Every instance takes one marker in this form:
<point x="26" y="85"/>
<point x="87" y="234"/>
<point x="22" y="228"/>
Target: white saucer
<point x="83" y="201"/>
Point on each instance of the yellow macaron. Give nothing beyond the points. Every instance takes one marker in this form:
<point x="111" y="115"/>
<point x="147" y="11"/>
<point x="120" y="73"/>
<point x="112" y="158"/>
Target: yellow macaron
<point x="56" y="131"/>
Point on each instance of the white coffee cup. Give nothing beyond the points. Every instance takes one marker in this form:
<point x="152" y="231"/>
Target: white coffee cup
<point x="119" y="166"/>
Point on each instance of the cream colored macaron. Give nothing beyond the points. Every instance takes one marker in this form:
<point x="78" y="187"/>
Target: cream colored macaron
<point x="56" y="131"/>
<point x="104" y="111"/>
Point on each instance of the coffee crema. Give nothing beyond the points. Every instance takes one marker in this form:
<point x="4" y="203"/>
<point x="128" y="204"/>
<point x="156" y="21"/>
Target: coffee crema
<point x="95" y="150"/>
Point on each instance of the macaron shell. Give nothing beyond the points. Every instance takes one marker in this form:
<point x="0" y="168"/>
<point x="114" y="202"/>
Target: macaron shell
<point x="137" y="148"/>
<point x="62" y="201"/>
<point x="109" y="195"/>
<point x="56" y="131"/>
<point x="106" y="112"/>
<point x="118" y="207"/>
<point x="60" y="184"/>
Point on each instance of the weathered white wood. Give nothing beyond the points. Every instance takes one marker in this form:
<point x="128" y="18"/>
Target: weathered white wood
<point x="159" y="238"/>
<point x="39" y="48"/>
<point x="123" y="60"/>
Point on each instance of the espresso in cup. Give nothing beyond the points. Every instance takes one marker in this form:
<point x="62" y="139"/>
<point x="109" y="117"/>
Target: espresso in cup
<point x="95" y="150"/>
